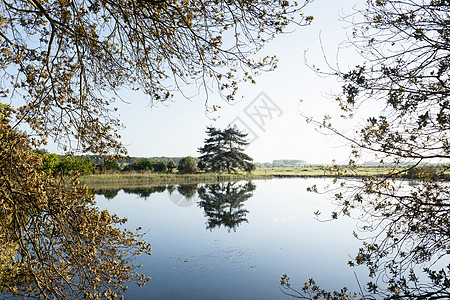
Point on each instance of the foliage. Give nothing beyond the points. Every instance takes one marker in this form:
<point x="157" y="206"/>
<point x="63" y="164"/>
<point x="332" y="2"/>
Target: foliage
<point x="433" y="172"/>
<point x="62" y="65"/>
<point x="69" y="164"/>
<point x="50" y="163"/>
<point x="288" y="163"/>
<point x="223" y="150"/>
<point x="163" y="159"/>
<point x="223" y="203"/>
<point x="64" y="61"/>
<point x="170" y="166"/>
<point x="406" y="43"/>
<point x="144" y="192"/>
<point x="187" y="165"/>
<point x="106" y="192"/>
<point x="55" y="242"/>
<point x="187" y="190"/>
<point x="146" y="165"/>
<point x="140" y="165"/>
<point x="159" y="167"/>
<point x="405" y="226"/>
<point x="202" y="165"/>
<point x="107" y="166"/>
<point x="311" y="290"/>
<point x="249" y="167"/>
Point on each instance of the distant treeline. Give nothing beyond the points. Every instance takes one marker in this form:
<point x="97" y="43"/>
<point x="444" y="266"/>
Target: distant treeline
<point x="90" y="164"/>
<point x="53" y="163"/>
<point x="85" y="165"/>
<point x="130" y="160"/>
<point x="282" y="163"/>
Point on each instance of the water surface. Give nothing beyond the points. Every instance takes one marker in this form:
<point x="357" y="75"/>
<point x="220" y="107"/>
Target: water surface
<point x="235" y="240"/>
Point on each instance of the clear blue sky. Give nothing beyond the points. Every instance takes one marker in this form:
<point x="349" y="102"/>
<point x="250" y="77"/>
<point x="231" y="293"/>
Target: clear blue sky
<point x="178" y="128"/>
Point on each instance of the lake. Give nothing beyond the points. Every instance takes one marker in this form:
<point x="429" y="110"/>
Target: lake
<point x="236" y="240"/>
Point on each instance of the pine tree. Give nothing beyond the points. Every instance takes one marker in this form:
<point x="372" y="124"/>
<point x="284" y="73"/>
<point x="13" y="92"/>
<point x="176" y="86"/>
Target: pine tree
<point x="223" y="150"/>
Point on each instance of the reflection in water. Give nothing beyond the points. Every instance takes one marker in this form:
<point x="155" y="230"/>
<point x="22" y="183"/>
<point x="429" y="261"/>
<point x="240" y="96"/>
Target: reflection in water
<point x="408" y="256"/>
<point x="223" y="203"/>
<point x="406" y="249"/>
<point x="107" y="193"/>
<point x="171" y="189"/>
<point x="402" y="235"/>
<point x="144" y="192"/>
<point x="190" y="262"/>
<point x="187" y="190"/>
<point x="67" y="251"/>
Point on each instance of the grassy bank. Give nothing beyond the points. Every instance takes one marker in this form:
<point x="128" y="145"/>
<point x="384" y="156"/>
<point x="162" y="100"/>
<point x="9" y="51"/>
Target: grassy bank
<point x="316" y="171"/>
<point x="154" y="179"/>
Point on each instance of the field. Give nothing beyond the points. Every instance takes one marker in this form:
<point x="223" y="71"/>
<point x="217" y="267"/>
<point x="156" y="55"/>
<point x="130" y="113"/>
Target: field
<point x="316" y="171"/>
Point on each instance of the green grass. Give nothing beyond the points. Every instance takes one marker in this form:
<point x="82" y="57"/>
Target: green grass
<point x="315" y="171"/>
<point x="154" y="179"/>
<point x="295" y="171"/>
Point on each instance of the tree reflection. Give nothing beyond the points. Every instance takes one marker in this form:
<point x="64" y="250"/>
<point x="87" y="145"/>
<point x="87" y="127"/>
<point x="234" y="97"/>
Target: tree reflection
<point x="105" y="192"/>
<point x="409" y="243"/>
<point x="76" y="254"/>
<point x="55" y="242"/>
<point x="187" y="190"/>
<point x="406" y="240"/>
<point x="223" y="203"/>
<point x="171" y="188"/>
<point x="144" y="192"/>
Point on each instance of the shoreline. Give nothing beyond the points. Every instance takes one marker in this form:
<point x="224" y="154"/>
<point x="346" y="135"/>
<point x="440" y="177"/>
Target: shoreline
<point x="154" y="179"/>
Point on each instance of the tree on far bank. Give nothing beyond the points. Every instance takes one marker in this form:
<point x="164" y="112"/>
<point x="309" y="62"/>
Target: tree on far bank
<point x="223" y="150"/>
<point x="187" y="165"/>
<point x="109" y="166"/>
<point x="201" y="165"/>
<point x="68" y="164"/>
<point x="159" y="166"/>
<point x="171" y="166"/>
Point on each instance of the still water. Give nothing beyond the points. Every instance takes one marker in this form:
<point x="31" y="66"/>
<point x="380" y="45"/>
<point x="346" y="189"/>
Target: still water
<point x="235" y="240"/>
